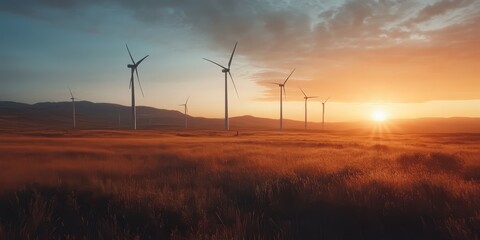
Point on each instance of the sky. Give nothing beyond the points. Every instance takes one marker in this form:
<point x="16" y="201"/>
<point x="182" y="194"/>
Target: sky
<point x="407" y="58"/>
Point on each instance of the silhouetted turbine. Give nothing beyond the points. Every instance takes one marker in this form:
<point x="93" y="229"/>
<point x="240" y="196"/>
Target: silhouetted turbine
<point x="226" y="70"/>
<point x="282" y="87"/>
<point x="73" y="107"/>
<point x="323" y="113"/>
<point x="133" y="68"/>
<point x="306" y="99"/>
<point x="186" y="111"/>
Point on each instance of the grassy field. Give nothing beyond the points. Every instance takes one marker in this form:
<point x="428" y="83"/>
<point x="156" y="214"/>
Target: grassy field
<point x="258" y="185"/>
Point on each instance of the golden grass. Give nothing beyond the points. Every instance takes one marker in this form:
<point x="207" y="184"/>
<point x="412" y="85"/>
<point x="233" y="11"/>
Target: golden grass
<point x="259" y="185"/>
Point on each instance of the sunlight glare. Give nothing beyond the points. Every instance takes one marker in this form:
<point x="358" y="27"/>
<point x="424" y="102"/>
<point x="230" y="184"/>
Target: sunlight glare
<point x="379" y="116"/>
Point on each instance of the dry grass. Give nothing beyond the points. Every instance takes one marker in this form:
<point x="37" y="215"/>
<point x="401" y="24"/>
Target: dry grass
<point x="260" y="185"/>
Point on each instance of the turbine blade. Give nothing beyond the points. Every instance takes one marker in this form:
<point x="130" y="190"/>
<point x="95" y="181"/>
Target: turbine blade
<point x="233" y="84"/>
<point x="231" y="57"/>
<point x="326" y="100"/>
<point x="138" y="63"/>
<point x="187" y="100"/>
<point x="215" y="63"/>
<point x="288" y="76"/>
<point x="303" y="92"/>
<point x="71" y="94"/>
<point x="138" y="79"/>
<point x="284" y="93"/>
<point x="313" y="97"/>
<point x="130" y="54"/>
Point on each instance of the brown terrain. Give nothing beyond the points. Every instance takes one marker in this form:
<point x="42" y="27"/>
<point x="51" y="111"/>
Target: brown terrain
<point x="367" y="182"/>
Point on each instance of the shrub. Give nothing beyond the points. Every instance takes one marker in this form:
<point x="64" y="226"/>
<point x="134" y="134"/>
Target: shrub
<point x="472" y="173"/>
<point x="434" y="161"/>
<point x="444" y="162"/>
<point x="411" y="160"/>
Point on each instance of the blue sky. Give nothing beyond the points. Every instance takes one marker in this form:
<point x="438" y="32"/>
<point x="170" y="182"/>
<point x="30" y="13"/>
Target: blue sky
<point x="409" y="58"/>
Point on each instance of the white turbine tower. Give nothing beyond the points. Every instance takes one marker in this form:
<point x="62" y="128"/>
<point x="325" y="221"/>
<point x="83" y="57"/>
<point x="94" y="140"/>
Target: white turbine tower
<point x="133" y="68"/>
<point x="226" y="70"/>
<point x="282" y="87"/>
<point x="323" y="113"/>
<point x="306" y="99"/>
<point x="186" y="111"/>
<point x="73" y="107"/>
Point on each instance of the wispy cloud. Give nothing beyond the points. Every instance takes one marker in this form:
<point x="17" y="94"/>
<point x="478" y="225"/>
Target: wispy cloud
<point x="440" y="8"/>
<point x="368" y="49"/>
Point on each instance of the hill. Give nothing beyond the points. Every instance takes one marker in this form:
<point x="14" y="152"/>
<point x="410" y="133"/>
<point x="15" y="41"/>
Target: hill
<point x="57" y="115"/>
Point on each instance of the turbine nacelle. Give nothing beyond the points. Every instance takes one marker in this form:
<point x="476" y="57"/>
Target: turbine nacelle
<point x="326" y="100"/>
<point x="306" y="100"/>
<point x="134" y="66"/>
<point x="226" y="70"/>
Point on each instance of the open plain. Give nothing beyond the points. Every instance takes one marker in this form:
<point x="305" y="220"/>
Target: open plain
<point x="98" y="184"/>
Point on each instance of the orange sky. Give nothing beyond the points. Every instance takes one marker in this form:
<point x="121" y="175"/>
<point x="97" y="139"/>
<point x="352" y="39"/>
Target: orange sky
<point x="410" y="58"/>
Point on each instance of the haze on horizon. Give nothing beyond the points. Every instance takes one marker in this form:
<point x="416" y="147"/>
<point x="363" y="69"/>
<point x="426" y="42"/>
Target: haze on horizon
<point x="408" y="59"/>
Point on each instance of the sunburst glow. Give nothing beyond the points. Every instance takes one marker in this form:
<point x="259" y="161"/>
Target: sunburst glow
<point x="379" y="116"/>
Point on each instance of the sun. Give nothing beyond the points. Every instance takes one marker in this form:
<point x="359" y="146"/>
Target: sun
<point x="379" y="116"/>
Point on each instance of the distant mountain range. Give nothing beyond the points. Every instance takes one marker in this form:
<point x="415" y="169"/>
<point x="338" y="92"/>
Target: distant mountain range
<point x="58" y="115"/>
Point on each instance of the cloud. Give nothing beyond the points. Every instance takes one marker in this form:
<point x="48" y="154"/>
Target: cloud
<point x="440" y="8"/>
<point x="363" y="49"/>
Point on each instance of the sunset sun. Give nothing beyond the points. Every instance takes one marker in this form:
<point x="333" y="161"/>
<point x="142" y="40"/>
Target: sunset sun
<point x="379" y="116"/>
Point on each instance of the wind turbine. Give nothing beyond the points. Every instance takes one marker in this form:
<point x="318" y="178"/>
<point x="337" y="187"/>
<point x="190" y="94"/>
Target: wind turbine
<point x="323" y="113"/>
<point x="73" y="107"/>
<point x="133" y="68"/>
<point x="186" y="111"/>
<point x="306" y="99"/>
<point x="282" y="86"/>
<point x="226" y="70"/>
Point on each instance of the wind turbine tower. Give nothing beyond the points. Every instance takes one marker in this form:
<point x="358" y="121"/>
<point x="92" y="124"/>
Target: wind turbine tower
<point x="133" y="68"/>
<point x="282" y="87"/>
<point x="306" y="99"/>
<point x="323" y="113"/>
<point x="227" y="70"/>
<point x="186" y="111"/>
